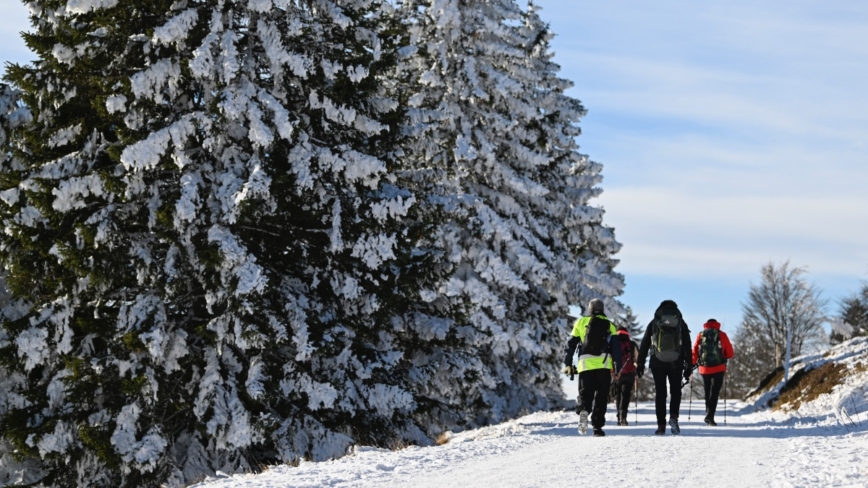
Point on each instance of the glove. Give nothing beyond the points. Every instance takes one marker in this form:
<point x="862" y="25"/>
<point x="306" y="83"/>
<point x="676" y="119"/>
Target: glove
<point x="569" y="370"/>
<point x="688" y="373"/>
<point x="640" y="370"/>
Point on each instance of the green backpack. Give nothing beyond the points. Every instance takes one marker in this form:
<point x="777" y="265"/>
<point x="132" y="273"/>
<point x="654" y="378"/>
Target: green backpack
<point x="710" y="349"/>
<point x="667" y="337"/>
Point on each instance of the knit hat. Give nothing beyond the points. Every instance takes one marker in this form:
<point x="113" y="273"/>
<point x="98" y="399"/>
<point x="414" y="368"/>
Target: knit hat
<point x="595" y="306"/>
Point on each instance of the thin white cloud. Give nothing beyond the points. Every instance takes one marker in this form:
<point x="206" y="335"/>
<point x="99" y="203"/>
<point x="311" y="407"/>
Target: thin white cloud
<point x="727" y="165"/>
<point x="712" y="234"/>
<point x="726" y="99"/>
<point x="732" y="133"/>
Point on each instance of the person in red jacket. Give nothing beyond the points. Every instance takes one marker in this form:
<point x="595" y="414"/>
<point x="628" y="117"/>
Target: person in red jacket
<point x="711" y="350"/>
<point x="627" y="377"/>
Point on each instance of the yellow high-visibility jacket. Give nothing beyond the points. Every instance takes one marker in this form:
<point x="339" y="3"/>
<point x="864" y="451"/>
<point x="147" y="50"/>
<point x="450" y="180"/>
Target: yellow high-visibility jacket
<point x="588" y="362"/>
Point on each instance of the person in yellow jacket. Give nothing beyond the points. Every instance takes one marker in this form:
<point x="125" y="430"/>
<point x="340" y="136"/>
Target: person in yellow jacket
<point x="595" y="338"/>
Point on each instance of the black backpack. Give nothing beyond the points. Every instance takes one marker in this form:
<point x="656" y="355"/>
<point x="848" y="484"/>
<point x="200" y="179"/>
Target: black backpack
<point x="667" y="337"/>
<point x="596" y="336"/>
<point x="710" y="348"/>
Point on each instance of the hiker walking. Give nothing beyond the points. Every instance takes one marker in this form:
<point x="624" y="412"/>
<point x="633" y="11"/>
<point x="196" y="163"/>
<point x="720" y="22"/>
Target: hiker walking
<point x="668" y="338"/>
<point x="599" y="359"/>
<point x="627" y="375"/>
<point x="711" y="350"/>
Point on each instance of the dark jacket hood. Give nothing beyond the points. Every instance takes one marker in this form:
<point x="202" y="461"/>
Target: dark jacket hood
<point x="667" y="305"/>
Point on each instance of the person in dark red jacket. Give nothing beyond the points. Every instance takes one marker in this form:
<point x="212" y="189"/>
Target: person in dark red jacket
<point x="627" y="375"/>
<point x="711" y="350"/>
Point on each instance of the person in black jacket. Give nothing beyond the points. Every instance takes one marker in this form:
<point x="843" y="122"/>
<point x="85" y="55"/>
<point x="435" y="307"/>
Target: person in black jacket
<point x="670" y="361"/>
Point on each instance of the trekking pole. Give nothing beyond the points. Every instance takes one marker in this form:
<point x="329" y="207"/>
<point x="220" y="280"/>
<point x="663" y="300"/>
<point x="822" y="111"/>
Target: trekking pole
<point x="690" y="404"/>
<point x="724" y="398"/>
<point x="636" y="387"/>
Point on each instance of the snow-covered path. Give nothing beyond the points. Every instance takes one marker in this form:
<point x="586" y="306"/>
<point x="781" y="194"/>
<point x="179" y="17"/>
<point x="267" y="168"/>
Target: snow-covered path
<point x="544" y="449"/>
<point x="629" y="455"/>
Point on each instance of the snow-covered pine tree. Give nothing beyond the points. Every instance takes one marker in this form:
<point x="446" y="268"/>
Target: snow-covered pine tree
<point x="630" y="321"/>
<point x="204" y="238"/>
<point x="583" y="246"/>
<point x="522" y="243"/>
<point x="853" y="310"/>
<point x="572" y="242"/>
<point x="14" y="117"/>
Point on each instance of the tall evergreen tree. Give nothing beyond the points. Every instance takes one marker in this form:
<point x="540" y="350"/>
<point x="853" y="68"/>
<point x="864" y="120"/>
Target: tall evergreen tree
<point x="630" y="321"/>
<point x="854" y="312"/>
<point x="238" y="233"/>
<point x="14" y="117"/>
<point x="490" y="114"/>
<point x="583" y="246"/>
<point x="204" y="238"/>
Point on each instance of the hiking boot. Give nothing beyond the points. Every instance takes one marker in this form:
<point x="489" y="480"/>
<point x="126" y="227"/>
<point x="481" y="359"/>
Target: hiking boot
<point x="623" y="422"/>
<point x="673" y="425"/>
<point x="599" y="433"/>
<point x="583" y="422"/>
<point x="711" y="422"/>
<point x="661" y="429"/>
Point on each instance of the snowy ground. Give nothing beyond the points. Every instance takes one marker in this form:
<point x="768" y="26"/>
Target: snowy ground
<point x="823" y="443"/>
<point x="544" y="449"/>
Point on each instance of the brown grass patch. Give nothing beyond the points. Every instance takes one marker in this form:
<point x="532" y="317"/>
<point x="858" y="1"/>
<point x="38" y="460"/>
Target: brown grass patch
<point x="860" y="367"/>
<point x="806" y="386"/>
<point x="443" y="438"/>
<point x="397" y="444"/>
<point x="769" y="381"/>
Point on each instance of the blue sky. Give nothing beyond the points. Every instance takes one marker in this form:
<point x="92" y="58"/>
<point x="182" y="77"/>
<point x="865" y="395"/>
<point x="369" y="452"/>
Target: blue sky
<point x="732" y="134"/>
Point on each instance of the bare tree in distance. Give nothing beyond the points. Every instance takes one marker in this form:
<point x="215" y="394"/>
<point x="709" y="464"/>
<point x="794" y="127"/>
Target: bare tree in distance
<point x="782" y="299"/>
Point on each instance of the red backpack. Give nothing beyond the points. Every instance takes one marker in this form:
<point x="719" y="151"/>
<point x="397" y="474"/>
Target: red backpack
<point x="628" y="355"/>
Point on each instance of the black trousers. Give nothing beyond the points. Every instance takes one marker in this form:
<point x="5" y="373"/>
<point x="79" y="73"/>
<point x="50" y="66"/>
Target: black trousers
<point x="623" y="392"/>
<point x="662" y="376"/>
<point x="594" y="394"/>
<point x="712" y="383"/>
